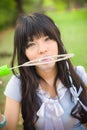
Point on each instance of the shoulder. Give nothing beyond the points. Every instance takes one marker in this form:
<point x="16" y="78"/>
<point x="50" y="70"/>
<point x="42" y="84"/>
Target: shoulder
<point x="80" y="70"/>
<point x="14" y="80"/>
<point x="13" y="88"/>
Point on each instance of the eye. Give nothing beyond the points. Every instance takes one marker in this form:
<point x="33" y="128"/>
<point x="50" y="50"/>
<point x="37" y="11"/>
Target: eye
<point x="47" y="38"/>
<point x="30" y="44"/>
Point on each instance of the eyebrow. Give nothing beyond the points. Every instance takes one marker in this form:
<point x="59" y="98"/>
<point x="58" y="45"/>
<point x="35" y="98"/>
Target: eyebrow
<point x="30" y="42"/>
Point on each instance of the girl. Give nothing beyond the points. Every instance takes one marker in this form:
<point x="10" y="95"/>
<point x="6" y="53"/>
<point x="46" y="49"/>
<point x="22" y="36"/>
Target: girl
<point x="51" y="96"/>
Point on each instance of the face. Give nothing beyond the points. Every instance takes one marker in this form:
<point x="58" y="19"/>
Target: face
<point x="41" y="48"/>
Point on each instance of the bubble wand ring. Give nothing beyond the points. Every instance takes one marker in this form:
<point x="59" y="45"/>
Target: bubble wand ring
<point x="4" y="70"/>
<point x="54" y="58"/>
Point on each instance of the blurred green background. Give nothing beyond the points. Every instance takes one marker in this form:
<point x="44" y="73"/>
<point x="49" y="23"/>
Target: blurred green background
<point x="69" y="15"/>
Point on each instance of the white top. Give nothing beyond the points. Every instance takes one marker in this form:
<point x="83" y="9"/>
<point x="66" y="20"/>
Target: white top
<point x="54" y="113"/>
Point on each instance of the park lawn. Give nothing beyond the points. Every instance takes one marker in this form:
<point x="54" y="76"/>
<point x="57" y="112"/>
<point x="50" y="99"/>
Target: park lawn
<point x="73" y="27"/>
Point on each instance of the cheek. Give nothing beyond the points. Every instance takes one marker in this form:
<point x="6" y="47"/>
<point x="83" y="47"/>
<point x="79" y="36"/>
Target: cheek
<point x="57" y="48"/>
<point x="54" y="48"/>
<point x="30" y="55"/>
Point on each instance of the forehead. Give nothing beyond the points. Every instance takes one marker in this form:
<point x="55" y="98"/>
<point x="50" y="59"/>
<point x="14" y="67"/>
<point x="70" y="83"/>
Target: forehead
<point x="36" y="29"/>
<point x="36" y="37"/>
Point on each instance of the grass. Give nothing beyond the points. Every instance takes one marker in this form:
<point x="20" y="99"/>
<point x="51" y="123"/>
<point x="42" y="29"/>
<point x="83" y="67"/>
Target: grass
<point x="73" y="27"/>
<point x="6" y="44"/>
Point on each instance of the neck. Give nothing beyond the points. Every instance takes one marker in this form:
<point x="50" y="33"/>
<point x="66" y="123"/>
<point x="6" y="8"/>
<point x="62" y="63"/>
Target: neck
<point x="48" y="76"/>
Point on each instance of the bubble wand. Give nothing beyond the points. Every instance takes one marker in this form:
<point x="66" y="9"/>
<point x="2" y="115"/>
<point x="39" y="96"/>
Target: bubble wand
<point x="5" y="70"/>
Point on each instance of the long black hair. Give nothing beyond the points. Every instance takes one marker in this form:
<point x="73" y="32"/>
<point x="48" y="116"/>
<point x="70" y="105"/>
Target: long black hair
<point x="27" y="27"/>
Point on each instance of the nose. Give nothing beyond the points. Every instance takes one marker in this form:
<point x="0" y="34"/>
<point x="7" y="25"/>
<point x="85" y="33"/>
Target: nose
<point x="42" y="48"/>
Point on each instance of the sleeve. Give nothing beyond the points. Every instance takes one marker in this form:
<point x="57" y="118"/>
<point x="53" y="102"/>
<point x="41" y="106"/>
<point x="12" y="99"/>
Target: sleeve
<point x="80" y="70"/>
<point x="13" y="89"/>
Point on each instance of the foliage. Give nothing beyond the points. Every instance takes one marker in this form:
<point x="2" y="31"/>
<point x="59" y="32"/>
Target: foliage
<point x="60" y="5"/>
<point x="31" y="5"/>
<point x="74" y="33"/>
<point x="69" y="4"/>
<point x="10" y="9"/>
<point x="73" y="27"/>
<point x="7" y="13"/>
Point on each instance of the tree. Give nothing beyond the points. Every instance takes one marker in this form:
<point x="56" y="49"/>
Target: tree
<point x="7" y="13"/>
<point x="19" y="6"/>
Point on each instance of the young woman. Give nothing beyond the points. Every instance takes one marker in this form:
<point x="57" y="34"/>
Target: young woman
<point x="50" y="96"/>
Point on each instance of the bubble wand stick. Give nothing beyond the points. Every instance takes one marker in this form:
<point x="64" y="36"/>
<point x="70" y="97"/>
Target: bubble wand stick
<point x="5" y="70"/>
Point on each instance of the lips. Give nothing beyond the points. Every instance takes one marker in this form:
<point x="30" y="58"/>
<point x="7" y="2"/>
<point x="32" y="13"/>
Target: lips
<point x="46" y="59"/>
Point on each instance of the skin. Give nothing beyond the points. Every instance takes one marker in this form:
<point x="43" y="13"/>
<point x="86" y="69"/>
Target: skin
<point x="0" y="82"/>
<point x="41" y="47"/>
<point x="12" y="110"/>
<point x="1" y="117"/>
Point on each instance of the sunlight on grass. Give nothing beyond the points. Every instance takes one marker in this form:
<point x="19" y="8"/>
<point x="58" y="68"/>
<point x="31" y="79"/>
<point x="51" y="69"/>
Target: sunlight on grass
<point x="73" y="27"/>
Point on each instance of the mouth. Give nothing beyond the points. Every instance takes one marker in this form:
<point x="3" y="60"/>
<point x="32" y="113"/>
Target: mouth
<point x="47" y="59"/>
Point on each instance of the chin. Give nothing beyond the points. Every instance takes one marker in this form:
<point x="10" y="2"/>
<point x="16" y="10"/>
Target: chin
<point x="46" y="67"/>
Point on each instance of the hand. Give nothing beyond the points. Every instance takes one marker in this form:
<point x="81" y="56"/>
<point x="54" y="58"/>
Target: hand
<point x="0" y="82"/>
<point x="1" y="117"/>
<point x="0" y="113"/>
